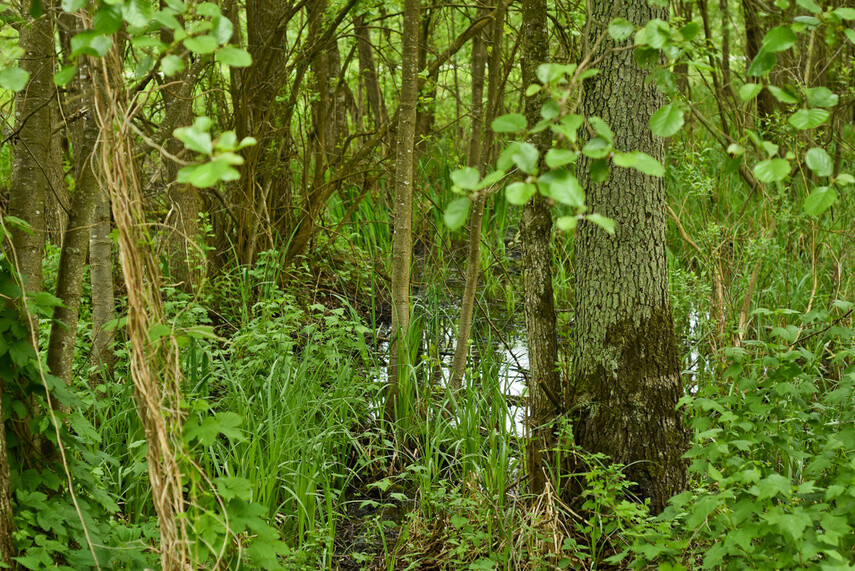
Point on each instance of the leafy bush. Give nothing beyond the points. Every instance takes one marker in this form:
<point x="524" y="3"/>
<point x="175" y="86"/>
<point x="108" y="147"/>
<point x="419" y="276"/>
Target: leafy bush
<point x="774" y="457"/>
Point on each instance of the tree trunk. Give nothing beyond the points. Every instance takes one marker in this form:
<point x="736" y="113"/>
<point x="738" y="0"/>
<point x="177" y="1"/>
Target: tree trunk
<point x="75" y="243"/>
<point x="402" y="239"/>
<point x="368" y="70"/>
<point x="473" y="260"/>
<point x="7" y="524"/>
<point x="626" y="366"/>
<point x="30" y="176"/>
<point x="543" y="377"/>
<point x="103" y="296"/>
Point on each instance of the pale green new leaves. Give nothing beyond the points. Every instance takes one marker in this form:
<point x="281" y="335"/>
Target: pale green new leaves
<point x="222" y="154"/>
<point x="819" y="162"/>
<point x="772" y="170"/>
<point x="641" y="162"/>
<point x="510" y="123"/>
<point x="456" y="212"/>
<point x="13" y="78"/>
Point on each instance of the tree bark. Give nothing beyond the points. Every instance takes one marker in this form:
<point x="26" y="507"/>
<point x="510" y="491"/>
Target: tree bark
<point x="402" y="239"/>
<point x="368" y="70"/>
<point x="7" y="524"/>
<point x="626" y="367"/>
<point x="543" y="377"/>
<point x="475" y="152"/>
<point x="30" y="175"/>
<point x="103" y="295"/>
<point x="75" y="243"/>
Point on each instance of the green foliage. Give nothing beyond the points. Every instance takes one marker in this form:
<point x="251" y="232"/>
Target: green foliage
<point x="772" y="455"/>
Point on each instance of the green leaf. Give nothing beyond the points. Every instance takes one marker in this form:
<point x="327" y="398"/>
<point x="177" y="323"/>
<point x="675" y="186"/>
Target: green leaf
<point x="641" y="162"/>
<point x="14" y="78"/>
<point x="520" y="192"/>
<point x="206" y="175"/>
<point x="36" y="9"/>
<point x="762" y="64"/>
<point x="565" y="188"/>
<point x="568" y="126"/>
<point x="599" y="170"/>
<point x="466" y="178"/>
<point x="620" y="29"/>
<point x="510" y="123"/>
<point x="533" y="89"/>
<point x="90" y="43"/>
<point x="779" y="39"/>
<point x="234" y="57"/>
<point x="597" y="148"/>
<point x="808" y="118"/>
<point x="525" y="156"/>
<point x="550" y="72"/>
<point x="844" y="13"/>
<point x="656" y="33"/>
<point x="667" y="120"/>
<point x="602" y="129"/>
<point x="223" y="29"/>
<point x="201" y="44"/>
<point x="749" y="91"/>
<point x="171" y="65"/>
<point x="63" y="76"/>
<point x="783" y="95"/>
<point x="456" y="212"/>
<point x="810" y="6"/>
<point x="208" y="9"/>
<point x="772" y="170"/>
<point x="821" y="97"/>
<point x="690" y="31"/>
<point x="137" y="13"/>
<point x="606" y="224"/>
<point x="559" y="157"/>
<point x="850" y="35"/>
<point x="820" y="200"/>
<point x="197" y="137"/>
<point x="70" y="6"/>
<point x="819" y="162"/>
<point x="567" y="223"/>
<point x="107" y="20"/>
<point x="491" y="179"/>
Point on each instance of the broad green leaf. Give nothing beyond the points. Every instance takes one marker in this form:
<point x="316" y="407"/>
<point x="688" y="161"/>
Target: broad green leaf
<point x="850" y="35"/>
<point x="525" y="156"/>
<point x="208" y="9"/>
<point x="456" y="212"/>
<point x="762" y="64"/>
<point x="567" y="223"/>
<point x="63" y="76"/>
<point x="779" y="39"/>
<point x="533" y="89"/>
<point x="520" y="192"/>
<point x="510" y="123"/>
<point x="845" y="179"/>
<point x="599" y="170"/>
<point x="690" y="30"/>
<point x="821" y="97"/>
<point x="108" y="19"/>
<point x="233" y="57"/>
<point x="208" y="174"/>
<point x="90" y="43"/>
<point x="201" y="44"/>
<point x="550" y="72"/>
<point x="810" y="6"/>
<point x="223" y="29"/>
<point x="620" y="29"/>
<point x="559" y="157"/>
<point x="466" y="178"/>
<point x="491" y="179"/>
<point x="639" y="161"/>
<point x="808" y="118"/>
<point x="167" y="20"/>
<point x="646" y="56"/>
<point x="568" y="126"/>
<point x="14" y="78"/>
<point x="749" y="91"/>
<point x="171" y="65"/>
<point x="667" y="120"/>
<point x="602" y="129"/>
<point x="845" y="13"/>
<point x="793" y="524"/>
<point x="606" y="224"/>
<point x="783" y="95"/>
<point x="819" y="162"/>
<point x="820" y="200"/>
<point x="656" y="33"/>
<point x="564" y="188"/>
<point x="597" y="148"/>
<point x="735" y="149"/>
<point x="772" y="170"/>
<point x="70" y="6"/>
<point x="137" y="13"/>
<point x="197" y="137"/>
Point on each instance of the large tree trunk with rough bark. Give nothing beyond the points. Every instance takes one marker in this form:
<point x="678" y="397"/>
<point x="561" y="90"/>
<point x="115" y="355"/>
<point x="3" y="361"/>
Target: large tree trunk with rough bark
<point x="31" y="151"/>
<point x="626" y="367"/>
<point x="402" y="239"/>
<point x="543" y="377"/>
